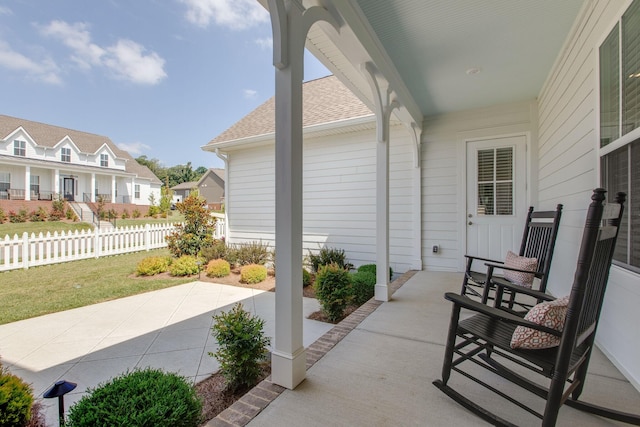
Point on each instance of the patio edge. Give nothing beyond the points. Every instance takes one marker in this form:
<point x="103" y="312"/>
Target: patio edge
<point x="253" y="402"/>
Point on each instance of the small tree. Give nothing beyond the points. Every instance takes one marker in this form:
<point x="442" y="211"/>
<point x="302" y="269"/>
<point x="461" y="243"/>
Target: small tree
<point x="197" y="230"/>
<point x="166" y="195"/>
<point x="242" y="346"/>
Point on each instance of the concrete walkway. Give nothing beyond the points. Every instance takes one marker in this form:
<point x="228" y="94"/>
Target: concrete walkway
<point x="376" y="369"/>
<point x="168" y="329"/>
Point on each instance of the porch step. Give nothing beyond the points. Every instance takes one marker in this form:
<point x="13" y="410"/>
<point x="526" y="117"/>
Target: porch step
<point x="85" y="214"/>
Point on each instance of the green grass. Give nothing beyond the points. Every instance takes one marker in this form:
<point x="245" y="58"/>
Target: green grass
<point x="49" y="289"/>
<point x="37" y="227"/>
<point x="176" y="217"/>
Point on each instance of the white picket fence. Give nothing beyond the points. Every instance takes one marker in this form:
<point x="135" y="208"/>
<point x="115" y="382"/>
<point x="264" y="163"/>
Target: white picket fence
<point x="33" y="250"/>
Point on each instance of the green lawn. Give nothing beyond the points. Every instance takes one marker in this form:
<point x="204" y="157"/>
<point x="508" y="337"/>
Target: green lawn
<point x="49" y="289"/>
<point x="37" y="227"/>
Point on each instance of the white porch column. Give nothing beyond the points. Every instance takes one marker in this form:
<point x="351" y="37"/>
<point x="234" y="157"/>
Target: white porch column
<point x="290" y="22"/>
<point x="113" y="188"/>
<point x="92" y="195"/>
<point x="384" y="105"/>
<point x="416" y="215"/>
<point x="27" y="182"/>
<point x="56" y="182"/>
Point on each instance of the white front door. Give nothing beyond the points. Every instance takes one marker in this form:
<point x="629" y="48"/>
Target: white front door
<point x="496" y="196"/>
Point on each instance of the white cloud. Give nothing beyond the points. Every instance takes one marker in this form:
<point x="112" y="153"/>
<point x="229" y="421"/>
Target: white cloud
<point x="133" y="147"/>
<point x="5" y="11"/>
<point x="44" y="70"/>
<point x="249" y="93"/>
<point x="126" y="59"/>
<point x="265" y="43"/>
<point x="78" y="39"/>
<point x="235" y="14"/>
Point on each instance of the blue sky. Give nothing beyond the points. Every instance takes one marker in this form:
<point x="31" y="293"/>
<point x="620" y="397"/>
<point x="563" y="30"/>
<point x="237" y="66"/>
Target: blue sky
<point x="158" y="77"/>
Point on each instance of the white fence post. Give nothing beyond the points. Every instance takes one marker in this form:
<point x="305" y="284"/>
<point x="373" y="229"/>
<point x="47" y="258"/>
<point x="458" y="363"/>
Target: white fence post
<point x="25" y="250"/>
<point x="97" y="245"/>
<point x="147" y="237"/>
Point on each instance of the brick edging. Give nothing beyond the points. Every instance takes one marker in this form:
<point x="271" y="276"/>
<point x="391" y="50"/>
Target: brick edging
<point x="255" y="400"/>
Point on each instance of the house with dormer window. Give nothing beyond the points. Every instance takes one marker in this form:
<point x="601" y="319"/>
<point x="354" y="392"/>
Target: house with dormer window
<point x="42" y="162"/>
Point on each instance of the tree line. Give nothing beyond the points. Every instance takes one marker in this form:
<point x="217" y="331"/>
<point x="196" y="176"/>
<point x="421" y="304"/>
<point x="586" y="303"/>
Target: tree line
<point x="173" y="175"/>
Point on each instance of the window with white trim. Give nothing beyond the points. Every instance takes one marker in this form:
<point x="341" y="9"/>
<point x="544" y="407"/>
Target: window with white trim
<point x="19" y="148"/>
<point x="136" y="191"/>
<point x="104" y="160"/>
<point x="495" y="181"/>
<point x="619" y="57"/>
<point x="65" y="154"/>
<point x="34" y="185"/>
<point x="5" y="184"/>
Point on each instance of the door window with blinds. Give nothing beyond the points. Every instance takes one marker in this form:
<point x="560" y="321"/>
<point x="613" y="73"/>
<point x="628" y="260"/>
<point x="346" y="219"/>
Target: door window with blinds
<point x="619" y="57"/>
<point x="495" y="181"/>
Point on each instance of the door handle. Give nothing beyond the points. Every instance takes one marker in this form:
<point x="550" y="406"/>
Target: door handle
<point x="470" y="223"/>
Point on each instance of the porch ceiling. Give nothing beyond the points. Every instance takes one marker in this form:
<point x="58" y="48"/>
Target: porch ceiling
<point x="431" y="45"/>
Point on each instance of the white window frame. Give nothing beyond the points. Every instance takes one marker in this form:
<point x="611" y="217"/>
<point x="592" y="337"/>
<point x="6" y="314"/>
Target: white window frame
<point x="104" y="160"/>
<point x="19" y="148"/>
<point x="65" y="154"/>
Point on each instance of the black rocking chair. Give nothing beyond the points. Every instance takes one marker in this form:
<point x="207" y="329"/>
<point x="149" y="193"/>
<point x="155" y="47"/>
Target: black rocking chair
<point x="538" y="241"/>
<point x="484" y="338"/>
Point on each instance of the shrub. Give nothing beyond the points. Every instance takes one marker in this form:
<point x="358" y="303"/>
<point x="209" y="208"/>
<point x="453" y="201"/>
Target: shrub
<point x="306" y="278"/>
<point x="186" y="265"/>
<point x="333" y="290"/>
<point x="70" y="214"/>
<point x="253" y="273"/>
<point x="253" y="253"/>
<point x="39" y="215"/>
<point x="153" y="211"/>
<point x="3" y="216"/>
<point x="16" y="399"/>
<point x="217" y="250"/>
<point x="125" y="214"/>
<point x="153" y="265"/>
<point x="136" y="213"/>
<point x="146" y="397"/>
<point x="327" y="256"/>
<point x="57" y="209"/>
<point x="218" y="268"/>
<point x="363" y="285"/>
<point x="372" y="269"/>
<point x="241" y="346"/>
<point x="20" y="216"/>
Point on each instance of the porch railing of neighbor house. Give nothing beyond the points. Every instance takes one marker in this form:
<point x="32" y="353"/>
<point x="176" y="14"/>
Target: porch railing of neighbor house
<point x="22" y="252"/>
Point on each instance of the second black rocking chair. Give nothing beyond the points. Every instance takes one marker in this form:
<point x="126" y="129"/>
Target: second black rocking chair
<point x="558" y="356"/>
<point x="538" y="243"/>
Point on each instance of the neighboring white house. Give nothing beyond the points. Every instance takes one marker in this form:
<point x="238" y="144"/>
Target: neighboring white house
<point x="475" y="86"/>
<point x="40" y="161"/>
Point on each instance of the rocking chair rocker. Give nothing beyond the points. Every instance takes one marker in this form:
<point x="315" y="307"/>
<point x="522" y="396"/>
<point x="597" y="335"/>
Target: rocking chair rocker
<point x="486" y="337"/>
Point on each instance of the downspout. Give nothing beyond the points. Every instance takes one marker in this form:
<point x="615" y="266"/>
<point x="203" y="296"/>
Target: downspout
<point x="225" y="160"/>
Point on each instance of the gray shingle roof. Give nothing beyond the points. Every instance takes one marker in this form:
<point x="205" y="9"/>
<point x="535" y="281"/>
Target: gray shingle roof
<point x="325" y="100"/>
<point x="48" y="136"/>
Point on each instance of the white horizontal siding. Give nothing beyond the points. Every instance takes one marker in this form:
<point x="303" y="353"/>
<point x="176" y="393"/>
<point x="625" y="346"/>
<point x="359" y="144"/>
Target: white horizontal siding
<point x="568" y="169"/>
<point x="442" y="169"/>
<point x="339" y="195"/>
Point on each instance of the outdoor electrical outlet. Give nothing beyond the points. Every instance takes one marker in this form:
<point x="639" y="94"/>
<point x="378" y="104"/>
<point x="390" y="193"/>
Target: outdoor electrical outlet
<point x="435" y="249"/>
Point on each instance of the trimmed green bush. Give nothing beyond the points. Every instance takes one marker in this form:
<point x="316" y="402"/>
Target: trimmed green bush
<point x="153" y="265"/>
<point x="218" y="268"/>
<point x="186" y="265"/>
<point x="242" y="346"/>
<point x="39" y="215"/>
<point x="2" y="216"/>
<point x="306" y="278"/>
<point x="372" y="269"/>
<point x="327" y="256"/>
<point x="146" y="397"/>
<point x="217" y="250"/>
<point x="16" y="399"/>
<point x="252" y="253"/>
<point x="253" y="273"/>
<point x="363" y="284"/>
<point x="333" y="290"/>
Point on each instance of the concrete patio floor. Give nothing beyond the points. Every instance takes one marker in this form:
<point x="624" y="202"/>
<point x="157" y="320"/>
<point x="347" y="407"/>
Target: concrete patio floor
<point x="373" y="369"/>
<point x="380" y="374"/>
<point x="168" y="329"/>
